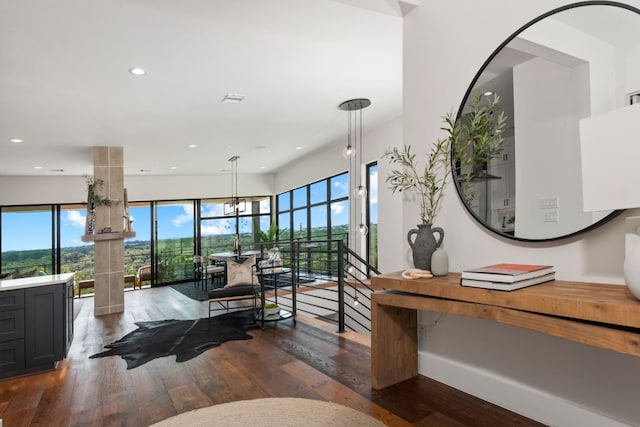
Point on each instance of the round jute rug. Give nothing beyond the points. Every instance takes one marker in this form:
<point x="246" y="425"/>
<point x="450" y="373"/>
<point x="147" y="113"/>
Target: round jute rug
<point x="273" y="412"/>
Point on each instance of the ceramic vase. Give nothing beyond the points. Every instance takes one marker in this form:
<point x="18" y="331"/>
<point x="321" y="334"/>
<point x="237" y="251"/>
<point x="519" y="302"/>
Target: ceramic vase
<point x="439" y="262"/>
<point x="631" y="270"/>
<point x="424" y="244"/>
<point x="91" y="222"/>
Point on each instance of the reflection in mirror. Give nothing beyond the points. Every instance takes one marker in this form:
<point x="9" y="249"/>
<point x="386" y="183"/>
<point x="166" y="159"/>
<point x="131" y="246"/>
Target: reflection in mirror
<point x="477" y="139"/>
<point x="574" y="62"/>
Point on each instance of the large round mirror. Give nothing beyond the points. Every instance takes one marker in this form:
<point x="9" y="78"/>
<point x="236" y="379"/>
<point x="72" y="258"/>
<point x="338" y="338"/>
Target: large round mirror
<point x="571" y="63"/>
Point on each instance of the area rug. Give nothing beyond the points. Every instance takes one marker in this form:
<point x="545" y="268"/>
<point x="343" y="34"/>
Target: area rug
<point x="191" y="290"/>
<point x="273" y="412"/>
<point x="185" y="339"/>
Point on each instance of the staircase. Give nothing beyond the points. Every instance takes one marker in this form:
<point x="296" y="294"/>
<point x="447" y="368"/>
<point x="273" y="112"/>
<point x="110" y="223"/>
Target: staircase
<point x="331" y="283"/>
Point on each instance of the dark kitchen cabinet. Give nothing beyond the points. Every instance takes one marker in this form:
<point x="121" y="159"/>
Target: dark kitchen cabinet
<point x="36" y="326"/>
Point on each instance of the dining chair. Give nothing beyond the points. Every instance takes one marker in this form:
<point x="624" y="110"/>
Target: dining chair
<point x="216" y="270"/>
<point x="198" y="271"/>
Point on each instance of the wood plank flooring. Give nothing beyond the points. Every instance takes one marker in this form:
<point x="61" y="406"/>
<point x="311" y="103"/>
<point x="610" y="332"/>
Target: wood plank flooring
<point x="304" y="360"/>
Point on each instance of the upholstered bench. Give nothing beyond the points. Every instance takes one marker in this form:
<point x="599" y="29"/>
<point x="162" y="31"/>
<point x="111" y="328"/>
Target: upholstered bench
<point x="222" y="296"/>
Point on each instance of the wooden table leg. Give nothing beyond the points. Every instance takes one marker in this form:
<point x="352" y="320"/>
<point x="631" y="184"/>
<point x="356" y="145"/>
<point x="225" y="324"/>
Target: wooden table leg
<point x="394" y="344"/>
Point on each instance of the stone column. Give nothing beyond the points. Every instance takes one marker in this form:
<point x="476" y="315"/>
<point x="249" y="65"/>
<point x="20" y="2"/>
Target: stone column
<point x="108" y="165"/>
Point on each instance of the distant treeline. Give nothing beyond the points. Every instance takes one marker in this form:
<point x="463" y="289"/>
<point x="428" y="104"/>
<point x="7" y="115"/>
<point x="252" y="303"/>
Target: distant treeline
<point x="178" y="253"/>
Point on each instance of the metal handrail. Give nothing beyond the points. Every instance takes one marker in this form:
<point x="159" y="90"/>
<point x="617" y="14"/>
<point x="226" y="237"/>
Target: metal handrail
<point x="343" y="267"/>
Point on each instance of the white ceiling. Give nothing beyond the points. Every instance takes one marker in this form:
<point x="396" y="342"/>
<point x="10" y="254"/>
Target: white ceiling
<point x="65" y="85"/>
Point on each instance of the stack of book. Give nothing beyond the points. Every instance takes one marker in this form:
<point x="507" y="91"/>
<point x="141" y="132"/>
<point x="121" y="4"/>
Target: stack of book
<point x="507" y="277"/>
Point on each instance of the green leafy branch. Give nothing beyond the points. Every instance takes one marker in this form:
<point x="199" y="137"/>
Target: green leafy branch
<point x="476" y="139"/>
<point x="94" y="198"/>
<point x="270" y="236"/>
<point x="428" y="185"/>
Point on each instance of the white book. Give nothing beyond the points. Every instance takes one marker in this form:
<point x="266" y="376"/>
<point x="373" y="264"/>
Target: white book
<point x="501" y="286"/>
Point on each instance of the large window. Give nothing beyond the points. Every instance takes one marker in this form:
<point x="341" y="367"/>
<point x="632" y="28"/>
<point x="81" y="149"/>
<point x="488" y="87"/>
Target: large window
<point x="75" y="255"/>
<point x="174" y="240"/>
<point x="218" y="230"/>
<point x="372" y="213"/>
<point x="137" y="251"/>
<point x="339" y="200"/>
<point x="320" y="211"/>
<point x="168" y="233"/>
<point x="27" y="239"/>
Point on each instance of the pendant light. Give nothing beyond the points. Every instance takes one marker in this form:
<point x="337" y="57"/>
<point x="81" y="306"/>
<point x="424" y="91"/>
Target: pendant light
<point x="236" y="205"/>
<point x="353" y="152"/>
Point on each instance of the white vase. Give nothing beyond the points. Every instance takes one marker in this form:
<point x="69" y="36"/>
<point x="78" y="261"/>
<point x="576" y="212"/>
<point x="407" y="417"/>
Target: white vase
<point x="439" y="262"/>
<point x="631" y="271"/>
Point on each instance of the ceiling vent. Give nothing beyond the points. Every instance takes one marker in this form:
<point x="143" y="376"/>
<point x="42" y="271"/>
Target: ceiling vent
<point x="233" y="98"/>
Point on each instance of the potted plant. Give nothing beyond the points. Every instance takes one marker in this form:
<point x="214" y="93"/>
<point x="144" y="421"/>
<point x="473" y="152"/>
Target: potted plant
<point x="270" y="237"/>
<point x="471" y="142"/>
<point x="427" y="186"/>
<point x="95" y="199"/>
<point x="271" y="309"/>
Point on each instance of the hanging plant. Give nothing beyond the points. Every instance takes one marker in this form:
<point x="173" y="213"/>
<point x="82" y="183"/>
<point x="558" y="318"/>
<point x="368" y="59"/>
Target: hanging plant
<point x="94" y="198"/>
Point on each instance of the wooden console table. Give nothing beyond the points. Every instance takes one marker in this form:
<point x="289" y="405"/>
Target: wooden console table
<point x="605" y="316"/>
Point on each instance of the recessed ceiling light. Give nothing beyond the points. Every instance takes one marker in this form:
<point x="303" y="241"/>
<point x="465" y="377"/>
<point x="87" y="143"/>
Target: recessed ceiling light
<point x="174" y="167"/>
<point x="193" y="145"/>
<point x="262" y="167"/>
<point x="233" y="98"/>
<point x="298" y="148"/>
<point x="37" y="167"/>
<point x="137" y="71"/>
<point x="488" y="93"/>
<point x="17" y="140"/>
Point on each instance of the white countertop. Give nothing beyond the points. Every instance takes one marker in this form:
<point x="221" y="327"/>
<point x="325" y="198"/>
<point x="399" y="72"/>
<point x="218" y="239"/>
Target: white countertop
<point x="31" y="282"/>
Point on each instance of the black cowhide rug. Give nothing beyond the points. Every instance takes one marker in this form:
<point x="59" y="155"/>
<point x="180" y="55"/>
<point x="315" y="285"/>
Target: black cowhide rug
<point x="185" y="339"/>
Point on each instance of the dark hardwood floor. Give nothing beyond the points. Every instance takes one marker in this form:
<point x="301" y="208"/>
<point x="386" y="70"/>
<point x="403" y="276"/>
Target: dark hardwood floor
<point x="304" y="360"/>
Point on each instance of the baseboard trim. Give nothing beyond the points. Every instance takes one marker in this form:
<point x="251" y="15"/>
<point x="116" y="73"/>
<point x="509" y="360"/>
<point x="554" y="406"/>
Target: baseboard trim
<point x="517" y="397"/>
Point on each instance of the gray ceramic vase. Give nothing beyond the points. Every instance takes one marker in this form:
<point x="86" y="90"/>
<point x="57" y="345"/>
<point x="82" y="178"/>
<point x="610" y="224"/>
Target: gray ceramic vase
<point x="424" y="244"/>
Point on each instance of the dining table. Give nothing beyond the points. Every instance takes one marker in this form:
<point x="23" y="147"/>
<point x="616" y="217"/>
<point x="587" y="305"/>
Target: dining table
<point x="223" y="256"/>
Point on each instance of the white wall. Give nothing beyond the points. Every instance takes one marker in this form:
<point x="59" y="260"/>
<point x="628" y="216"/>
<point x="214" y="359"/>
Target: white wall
<point x="549" y="379"/>
<point x="25" y="190"/>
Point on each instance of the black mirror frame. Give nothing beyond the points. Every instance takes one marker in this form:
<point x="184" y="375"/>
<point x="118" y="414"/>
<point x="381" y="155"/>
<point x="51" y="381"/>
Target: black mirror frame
<point x="465" y="100"/>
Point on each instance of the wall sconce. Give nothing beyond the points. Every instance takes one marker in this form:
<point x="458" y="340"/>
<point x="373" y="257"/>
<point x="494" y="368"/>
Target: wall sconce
<point x="610" y="149"/>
